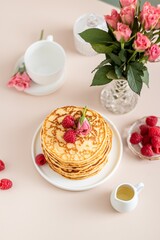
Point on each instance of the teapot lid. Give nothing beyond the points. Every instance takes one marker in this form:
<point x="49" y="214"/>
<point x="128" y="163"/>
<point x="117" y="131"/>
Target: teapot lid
<point x="90" y="20"/>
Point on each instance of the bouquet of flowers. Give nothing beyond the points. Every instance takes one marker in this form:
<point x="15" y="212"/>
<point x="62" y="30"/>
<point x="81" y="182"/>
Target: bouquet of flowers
<point x="132" y="39"/>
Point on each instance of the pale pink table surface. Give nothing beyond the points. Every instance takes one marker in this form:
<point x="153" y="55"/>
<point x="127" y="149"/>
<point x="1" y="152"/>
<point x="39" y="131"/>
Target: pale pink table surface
<point x="34" y="209"/>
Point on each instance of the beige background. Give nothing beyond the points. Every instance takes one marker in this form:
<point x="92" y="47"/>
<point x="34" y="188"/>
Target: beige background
<point x="33" y="208"/>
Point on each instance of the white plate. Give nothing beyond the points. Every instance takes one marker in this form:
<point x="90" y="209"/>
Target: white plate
<point x="79" y="185"/>
<point x="40" y="90"/>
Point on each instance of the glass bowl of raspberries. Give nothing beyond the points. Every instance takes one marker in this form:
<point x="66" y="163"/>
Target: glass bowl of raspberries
<point x="144" y="138"/>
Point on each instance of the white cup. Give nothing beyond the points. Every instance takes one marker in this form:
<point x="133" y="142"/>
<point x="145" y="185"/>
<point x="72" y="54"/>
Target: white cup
<point x="45" y="61"/>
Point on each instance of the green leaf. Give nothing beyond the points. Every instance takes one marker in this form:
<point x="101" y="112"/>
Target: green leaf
<point x="95" y="35"/>
<point x="158" y="39"/>
<point x="134" y="79"/>
<point x="118" y="72"/>
<point x="100" y="77"/>
<point x="139" y="67"/>
<point x="115" y="58"/>
<point x="145" y="77"/>
<point x="101" y="48"/>
<point x="111" y="74"/>
<point x="130" y="51"/>
<point x="135" y="27"/>
<point x="123" y="55"/>
<point x="104" y="62"/>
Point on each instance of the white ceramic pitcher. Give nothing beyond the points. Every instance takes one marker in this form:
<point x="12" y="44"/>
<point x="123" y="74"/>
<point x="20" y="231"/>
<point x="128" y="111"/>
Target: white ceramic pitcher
<point x="124" y="197"/>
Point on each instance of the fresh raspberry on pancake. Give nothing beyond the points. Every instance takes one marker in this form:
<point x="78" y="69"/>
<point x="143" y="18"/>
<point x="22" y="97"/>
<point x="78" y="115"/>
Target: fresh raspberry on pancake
<point x="70" y="136"/>
<point x="68" y="122"/>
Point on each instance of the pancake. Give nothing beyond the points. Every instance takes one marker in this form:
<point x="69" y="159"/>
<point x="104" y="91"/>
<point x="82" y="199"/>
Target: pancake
<point x="84" y="158"/>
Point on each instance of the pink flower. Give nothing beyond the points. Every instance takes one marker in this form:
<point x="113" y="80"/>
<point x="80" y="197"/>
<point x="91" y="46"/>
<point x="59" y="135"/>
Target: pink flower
<point x="141" y="43"/>
<point x="123" y="32"/>
<point x="83" y="127"/>
<point x="153" y="53"/>
<point x="125" y="3"/>
<point x="149" y="16"/>
<point x="113" y="19"/>
<point x="20" y="81"/>
<point x="127" y="14"/>
<point x="158" y="24"/>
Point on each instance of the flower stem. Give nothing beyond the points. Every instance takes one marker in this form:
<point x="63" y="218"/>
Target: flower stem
<point x="22" y="68"/>
<point x="41" y="35"/>
<point x="132" y="56"/>
<point x="83" y="115"/>
<point x="84" y="111"/>
<point x="122" y="45"/>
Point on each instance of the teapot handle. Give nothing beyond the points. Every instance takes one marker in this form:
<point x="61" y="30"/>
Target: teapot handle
<point x="139" y="187"/>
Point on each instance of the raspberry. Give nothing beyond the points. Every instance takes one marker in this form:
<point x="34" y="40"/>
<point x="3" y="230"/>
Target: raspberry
<point x="70" y="136"/>
<point x="68" y="122"/>
<point x="144" y="129"/>
<point x="156" y="150"/>
<point x="155" y="141"/>
<point x="147" y="150"/>
<point x="40" y="159"/>
<point x="2" y="165"/>
<point x="151" y="121"/>
<point x="146" y="140"/>
<point x="135" y="138"/>
<point x="5" y="184"/>
<point x="154" y="131"/>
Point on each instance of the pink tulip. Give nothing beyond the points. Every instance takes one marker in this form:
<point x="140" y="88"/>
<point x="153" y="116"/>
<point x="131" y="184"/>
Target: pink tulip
<point x="149" y="16"/>
<point x="127" y="14"/>
<point x="123" y="32"/>
<point x="153" y="53"/>
<point x="113" y="19"/>
<point x="141" y="43"/>
<point x="20" y="81"/>
<point x="125" y="3"/>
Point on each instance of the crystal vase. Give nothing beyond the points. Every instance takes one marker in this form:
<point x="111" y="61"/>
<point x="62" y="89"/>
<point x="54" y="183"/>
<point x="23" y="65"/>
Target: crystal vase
<point x="117" y="97"/>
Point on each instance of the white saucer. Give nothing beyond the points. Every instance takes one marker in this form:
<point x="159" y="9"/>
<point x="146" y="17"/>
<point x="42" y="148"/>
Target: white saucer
<point x="40" y="90"/>
<point x="79" y="185"/>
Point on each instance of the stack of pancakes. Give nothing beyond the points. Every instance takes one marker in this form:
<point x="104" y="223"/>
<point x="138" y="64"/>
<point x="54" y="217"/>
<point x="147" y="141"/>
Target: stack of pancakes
<point x="82" y="159"/>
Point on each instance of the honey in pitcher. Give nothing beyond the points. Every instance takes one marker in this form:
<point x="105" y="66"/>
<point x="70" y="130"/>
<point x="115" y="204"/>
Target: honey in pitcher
<point x="125" y="193"/>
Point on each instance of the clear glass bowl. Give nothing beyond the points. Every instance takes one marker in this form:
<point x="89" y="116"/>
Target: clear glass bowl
<point x="136" y="148"/>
